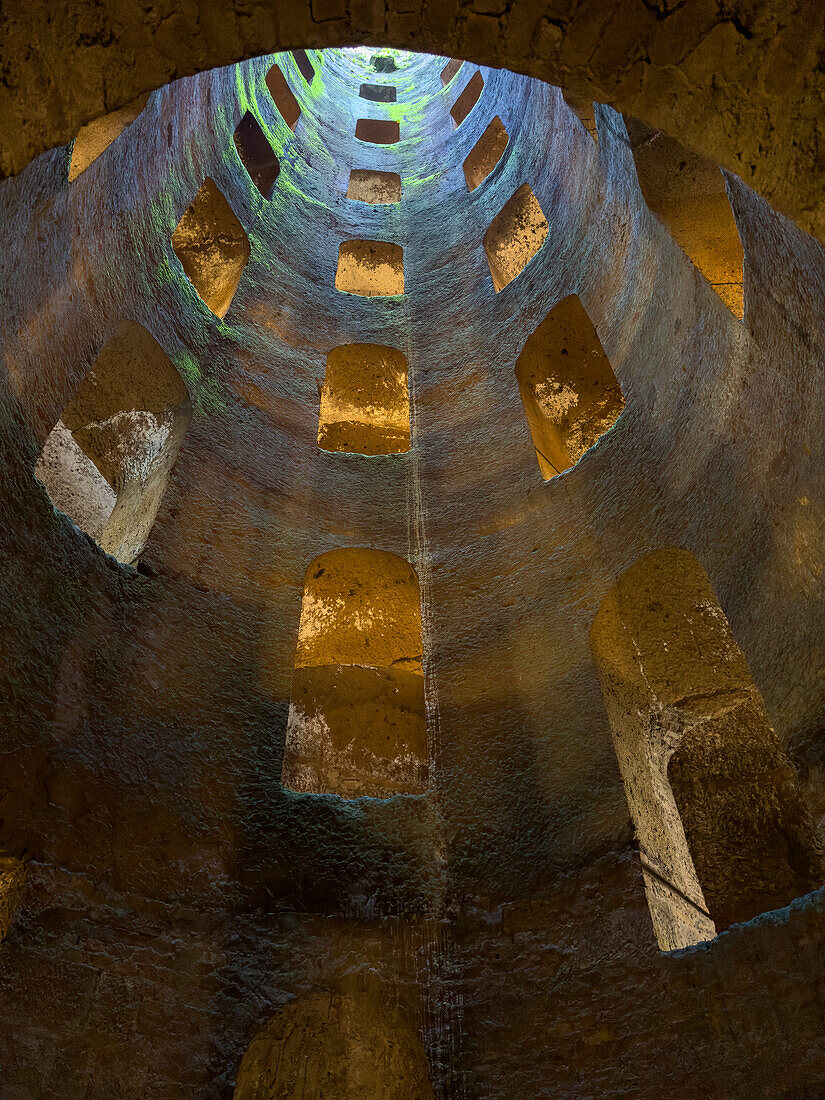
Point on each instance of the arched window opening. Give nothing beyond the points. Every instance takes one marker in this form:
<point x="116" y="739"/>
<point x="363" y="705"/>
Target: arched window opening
<point x="450" y="70"/>
<point x="365" y="402"/>
<point x="468" y="98"/>
<point x="96" y="136"/>
<point x="283" y="97"/>
<point x="257" y="155"/>
<point x="378" y="93"/>
<point x="356" y="721"/>
<point x="723" y="831"/>
<point x="378" y="131"/>
<point x="514" y="236"/>
<point x="687" y="194"/>
<point x="370" y="268"/>
<point x="570" y="394"/>
<point x="12" y="880"/>
<point x="485" y="154"/>
<point x="212" y="247"/>
<point x="585" y="111"/>
<point x="305" y="66"/>
<point x="328" y="1044"/>
<point x="106" y="463"/>
<point x="374" y="187"/>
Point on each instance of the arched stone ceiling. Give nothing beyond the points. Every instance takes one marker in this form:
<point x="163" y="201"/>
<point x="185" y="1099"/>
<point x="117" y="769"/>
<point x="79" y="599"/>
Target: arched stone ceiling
<point x="738" y="81"/>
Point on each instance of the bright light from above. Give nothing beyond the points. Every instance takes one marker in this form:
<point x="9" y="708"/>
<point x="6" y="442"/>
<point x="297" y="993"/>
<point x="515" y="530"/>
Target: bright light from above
<point x="371" y="56"/>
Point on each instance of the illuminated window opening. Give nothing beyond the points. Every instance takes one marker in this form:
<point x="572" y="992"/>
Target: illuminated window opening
<point x="357" y="720"/>
<point x="723" y="831"/>
<point x="374" y="187"/>
<point x="107" y="462"/>
<point x="370" y="268"/>
<point x="305" y="66"/>
<point x="257" y="155"/>
<point x="96" y="136"/>
<point x="468" y="98"/>
<point x="378" y="131"/>
<point x="570" y="394"/>
<point x="485" y="154"/>
<point x="378" y="93"/>
<point x="687" y="194"/>
<point x="212" y="247"/>
<point x="365" y="401"/>
<point x="514" y="236"/>
<point x="283" y="97"/>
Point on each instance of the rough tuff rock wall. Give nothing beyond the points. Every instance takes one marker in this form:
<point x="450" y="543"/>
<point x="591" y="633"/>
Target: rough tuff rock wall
<point x="176" y="895"/>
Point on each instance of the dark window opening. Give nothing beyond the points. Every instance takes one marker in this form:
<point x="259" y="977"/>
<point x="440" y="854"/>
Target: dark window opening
<point x="378" y="93"/>
<point x="450" y="70"/>
<point x="305" y="66"/>
<point x="468" y="98"/>
<point x="283" y="97"/>
<point x="378" y="131"/>
<point x="257" y="155"/>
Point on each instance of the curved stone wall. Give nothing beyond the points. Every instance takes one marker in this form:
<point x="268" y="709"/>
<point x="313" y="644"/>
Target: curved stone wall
<point x="175" y="890"/>
<point x="724" y="79"/>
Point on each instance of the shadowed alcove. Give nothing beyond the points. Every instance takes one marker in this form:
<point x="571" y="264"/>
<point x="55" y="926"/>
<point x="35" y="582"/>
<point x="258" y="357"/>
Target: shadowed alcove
<point x="485" y="154"/>
<point x="379" y="93"/>
<point x="378" y="131"/>
<point x="359" y="1044"/>
<point x="282" y="95"/>
<point x="468" y="98"/>
<point x="585" y="111"/>
<point x="248" y="848"/>
<point x="450" y="70"/>
<point x="12" y="879"/>
<point x="98" y="135"/>
<point x="373" y="186"/>
<point x="305" y="66"/>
